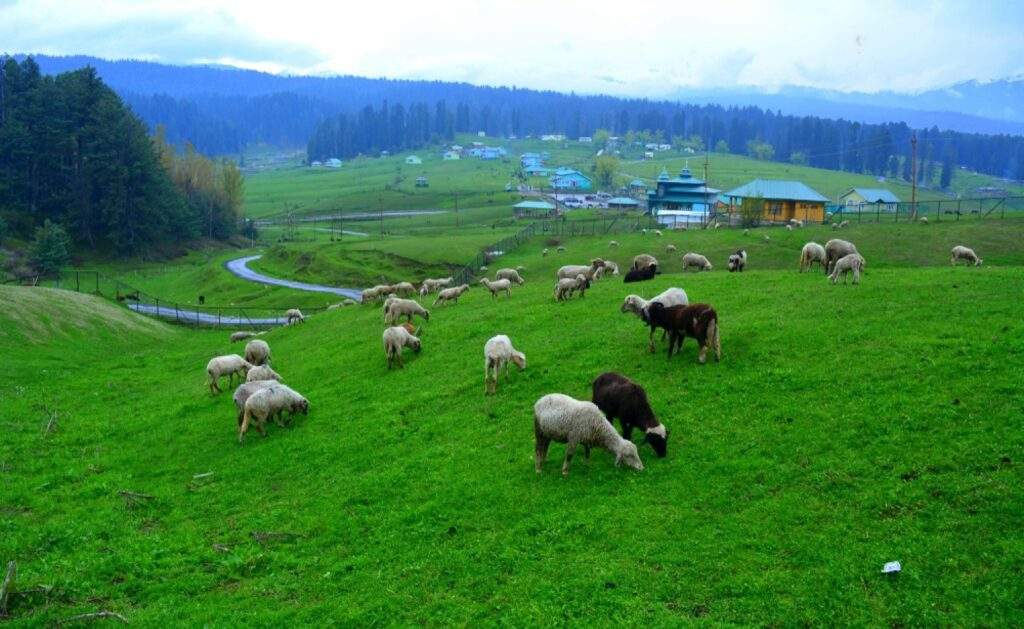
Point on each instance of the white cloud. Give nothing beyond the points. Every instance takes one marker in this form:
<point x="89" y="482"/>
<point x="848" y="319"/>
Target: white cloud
<point x="641" y="48"/>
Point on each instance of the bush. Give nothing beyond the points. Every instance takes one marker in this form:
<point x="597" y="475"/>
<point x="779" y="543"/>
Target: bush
<point x="751" y="211"/>
<point x="50" y="248"/>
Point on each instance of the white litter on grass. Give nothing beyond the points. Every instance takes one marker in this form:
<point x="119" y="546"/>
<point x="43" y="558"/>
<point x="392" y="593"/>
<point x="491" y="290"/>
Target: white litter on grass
<point x="892" y="566"/>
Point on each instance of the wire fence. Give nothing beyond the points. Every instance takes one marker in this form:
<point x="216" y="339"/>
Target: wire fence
<point x="938" y="211"/>
<point x="197" y="315"/>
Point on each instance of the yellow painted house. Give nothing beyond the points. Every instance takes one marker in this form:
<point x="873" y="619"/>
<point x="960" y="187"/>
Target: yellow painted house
<point x="783" y="200"/>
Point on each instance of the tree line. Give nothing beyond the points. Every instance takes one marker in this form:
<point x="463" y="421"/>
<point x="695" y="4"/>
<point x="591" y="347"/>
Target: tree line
<point x="75" y="159"/>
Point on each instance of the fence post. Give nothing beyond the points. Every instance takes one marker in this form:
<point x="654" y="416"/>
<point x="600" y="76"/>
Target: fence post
<point x="77" y="287"/>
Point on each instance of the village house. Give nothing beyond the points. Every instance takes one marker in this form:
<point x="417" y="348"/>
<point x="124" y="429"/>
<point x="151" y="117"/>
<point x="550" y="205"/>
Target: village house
<point x="683" y="199"/>
<point x="879" y="198"/>
<point x="334" y="162"/>
<point x="783" y="200"/>
<point x="413" y="159"/>
<point x="451" y="155"/>
<point x="569" y="179"/>
<point x="534" y="209"/>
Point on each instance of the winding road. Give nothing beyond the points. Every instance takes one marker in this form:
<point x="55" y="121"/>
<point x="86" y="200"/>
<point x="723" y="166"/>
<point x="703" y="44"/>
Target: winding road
<point x="240" y="268"/>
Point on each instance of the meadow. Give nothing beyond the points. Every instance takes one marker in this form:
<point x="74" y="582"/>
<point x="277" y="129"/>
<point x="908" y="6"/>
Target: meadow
<point x="845" y="427"/>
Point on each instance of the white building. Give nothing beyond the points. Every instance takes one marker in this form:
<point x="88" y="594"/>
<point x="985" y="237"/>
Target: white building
<point x="334" y="162"/>
<point x="451" y="155"/>
<point x="413" y="159"/>
<point x="586" y="139"/>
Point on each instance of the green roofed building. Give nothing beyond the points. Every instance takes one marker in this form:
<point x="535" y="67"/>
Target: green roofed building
<point x="533" y="209"/>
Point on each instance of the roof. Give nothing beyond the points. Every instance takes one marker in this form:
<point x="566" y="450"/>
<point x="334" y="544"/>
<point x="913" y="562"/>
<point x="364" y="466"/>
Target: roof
<point x="533" y="205"/>
<point x="622" y="201"/>
<point x="875" y="195"/>
<point x="569" y="172"/>
<point x="777" y="189"/>
<point x="638" y="183"/>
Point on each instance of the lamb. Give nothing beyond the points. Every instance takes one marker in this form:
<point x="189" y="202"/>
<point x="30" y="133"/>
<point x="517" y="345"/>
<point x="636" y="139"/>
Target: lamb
<point x="294" y="315"/>
<point x="498" y="353"/>
<point x="697" y="320"/>
<point x="230" y="366"/>
<point x="844" y="265"/>
<point x="572" y="270"/>
<point x="657" y="232"/>
<point x="835" y="249"/>
<point x="262" y="372"/>
<point x="431" y="285"/>
<point x="511" y="275"/>
<point x="923" y="220"/>
<point x="560" y="418"/>
<point x="961" y="252"/>
<point x="738" y="261"/>
<point x="245" y="391"/>
<point x="670" y="248"/>
<point x="619" y="397"/>
<point x="369" y="295"/>
<point x="811" y="253"/>
<point x="610" y="267"/>
<point x="789" y="228"/>
<point x="844" y="224"/>
<point x="451" y="294"/>
<point x="638" y="306"/>
<point x="257" y="352"/>
<point x="560" y="249"/>
<point x="497" y="286"/>
<point x="381" y="291"/>
<point x="398" y="307"/>
<point x="696" y="260"/>
<point x="796" y="222"/>
<point x="270" y="402"/>
<point x="641" y="275"/>
<point x="644" y="260"/>
<point x="544" y="252"/>
<point x="567" y="286"/>
<point x="613" y="243"/>
<point x="241" y="336"/>
<point x="395" y="338"/>
<point x="404" y="289"/>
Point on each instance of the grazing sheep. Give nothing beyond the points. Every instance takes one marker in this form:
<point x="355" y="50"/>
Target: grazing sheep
<point x="640" y="275"/>
<point x="795" y="222"/>
<point x="638" y="306"/>
<point x="404" y="289"/>
<point x="451" y="294"/>
<point x="670" y="249"/>
<point x="613" y="243"/>
<point x="644" y="260"/>
<point x="846" y="264"/>
<point x="746" y="232"/>
<point x="257" y="352"/>
<point x="395" y="338"/>
<point x="497" y="286"/>
<point x="766" y="238"/>
<point x="923" y="220"/>
<point x="431" y="285"/>
<point x="560" y="418"/>
<point x="369" y="294"/>
<point x="696" y="260"/>
<point x="717" y="225"/>
<point x="498" y="353"/>
<point x="644" y="231"/>
<point x="397" y="307"/>
<point x="560" y="249"/>
<point x="483" y="269"/>
<point x="789" y="228"/>
<point x="511" y="275"/>
<point x="230" y="365"/>
<point x="334" y="306"/>
<point x="544" y="253"/>
<point x="961" y="252"/>
<point x="294" y="315"/>
<point x="835" y="226"/>
<point x="657" y="232"/>
<point x="737" y="261"/>
<point x="811" y="253"/>
<point x="619" y="397"/>
<point x="697" y="320"/>
<point x="270" y="402"/>
<point x="241" y="336"/>
<point x="844" y="224"/>
<point x="567" y="286"/>
<point x="835" y="249"/>
<point x="572" y="270"/>
<point x="245" y="391"/>
<point x="610" y="267"/>
<point x="262" y="372"/>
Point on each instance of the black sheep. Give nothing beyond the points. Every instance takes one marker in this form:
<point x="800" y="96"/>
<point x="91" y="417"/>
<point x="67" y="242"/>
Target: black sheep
<point x="697" y="320"/>
<point x="619" y="397"/>
<point x="641" y="275"/>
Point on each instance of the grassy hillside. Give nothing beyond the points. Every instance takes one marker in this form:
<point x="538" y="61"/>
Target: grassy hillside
<point x="845" y="427"/>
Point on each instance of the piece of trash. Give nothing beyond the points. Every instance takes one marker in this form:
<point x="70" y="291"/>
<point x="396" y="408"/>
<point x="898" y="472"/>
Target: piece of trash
<point x="892" y="566"/>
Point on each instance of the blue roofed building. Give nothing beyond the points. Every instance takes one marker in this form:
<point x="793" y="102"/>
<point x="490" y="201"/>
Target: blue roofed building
<point x="569" y="179"/>
<point x="683" y="199"/>
<point x="873" y="197"/>
<point x="783" y="200"/>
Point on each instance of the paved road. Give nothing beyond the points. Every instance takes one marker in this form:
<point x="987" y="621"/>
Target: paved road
<point x="239" y="267"/>
<point x="203" y="318"/>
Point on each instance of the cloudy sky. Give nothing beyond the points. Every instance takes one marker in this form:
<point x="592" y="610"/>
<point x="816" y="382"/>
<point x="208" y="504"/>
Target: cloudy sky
<point x="637" y="48"/>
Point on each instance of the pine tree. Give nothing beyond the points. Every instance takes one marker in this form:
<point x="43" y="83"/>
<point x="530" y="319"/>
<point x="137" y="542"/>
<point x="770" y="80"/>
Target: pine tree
<point x="50" y="248"/>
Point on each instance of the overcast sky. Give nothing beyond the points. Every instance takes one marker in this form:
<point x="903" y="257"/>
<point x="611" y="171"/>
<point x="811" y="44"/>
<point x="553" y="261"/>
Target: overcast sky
<point x="637" y="48"/>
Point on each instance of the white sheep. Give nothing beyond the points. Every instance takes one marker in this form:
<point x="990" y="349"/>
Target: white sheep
<point x="369" y="294"/>
<point x="852" y="262"/>
<point x="544" y="252"/>
<point x="609" y="267"/>
<point x="961" y="252"/>
<point x="844" y="224"/>
<point x="638" y="306"/>
<point x="670" y="249"/>
<point x="245" y="391"/>
<point x="294" y="315"/>
<point x="404" y="289"/>
<point x="397" y="307"/>
<point x="566" y="286"/>
<point x="511" y="275"/>
<point x="271" y="401"/>
<point x="923" y="220"/>
<point x="696" y="260"/>
<point x="835" y="249"/>
<point x="789" y="228"/>
<point x="257" y="352"/>
<point x="241" y="336"/>
<point x="498" y="353"/>
<point x="262" y="372"/>
<point x="643" y="261"/>
<point x="229" y="365"/>
<point x="613" y="243"/>
<point x="737" y="261"/>
<point x="497" y="286"/>
<point x="395" y="338"/>
<point x="560" y="249"/>
<point x="657" y="232"/>
<point x="451" y="294"/>
<point x="572" y="270"/>
<point x="812" y="252"/>
<point x="560" y="418"/>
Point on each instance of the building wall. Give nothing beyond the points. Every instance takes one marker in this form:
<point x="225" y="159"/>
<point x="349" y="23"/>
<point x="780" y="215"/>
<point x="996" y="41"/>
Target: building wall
<point x="782" y="211"/>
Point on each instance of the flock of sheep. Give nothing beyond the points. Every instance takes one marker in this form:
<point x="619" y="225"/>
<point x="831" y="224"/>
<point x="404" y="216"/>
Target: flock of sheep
<point x="557" y="417"/>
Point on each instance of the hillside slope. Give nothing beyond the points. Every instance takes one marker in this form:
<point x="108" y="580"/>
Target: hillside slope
<point x="845" y="427"/>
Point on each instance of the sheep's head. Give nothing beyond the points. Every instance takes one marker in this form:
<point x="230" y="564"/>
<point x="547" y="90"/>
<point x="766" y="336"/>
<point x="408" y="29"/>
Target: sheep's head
<point x="978" y="263"/>
<point x="246" y="366"/>
<point x="519" y="359"/>
<point x="300" y="406"/>
<point x="628" y="454"/>
<point x="484" y="281"/>
<point x="707" y="266"/>
<point x="631" y="304"/>
<point x="414" y="343"/>
<point x="658" y="438"/>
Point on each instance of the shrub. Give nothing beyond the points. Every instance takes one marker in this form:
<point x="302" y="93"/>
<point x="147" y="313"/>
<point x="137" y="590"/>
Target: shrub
<point x="50" y="248"/>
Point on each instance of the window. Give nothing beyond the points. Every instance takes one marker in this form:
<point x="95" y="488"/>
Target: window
<point x="775" y="208"/>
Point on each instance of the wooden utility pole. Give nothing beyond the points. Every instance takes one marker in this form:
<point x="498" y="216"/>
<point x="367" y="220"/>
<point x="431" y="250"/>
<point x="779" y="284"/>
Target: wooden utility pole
<point x="380" y="213"/>
<point x="913" y="175"/>
<point x="456" y="210"/>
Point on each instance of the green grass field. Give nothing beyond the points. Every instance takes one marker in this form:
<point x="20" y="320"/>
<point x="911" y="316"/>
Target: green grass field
<point x="845" y="427"/>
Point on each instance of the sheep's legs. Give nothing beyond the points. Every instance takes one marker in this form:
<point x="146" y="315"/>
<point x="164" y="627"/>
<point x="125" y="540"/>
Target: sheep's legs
<point x="570" y="450"/>
<point x="541" y="452"/>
